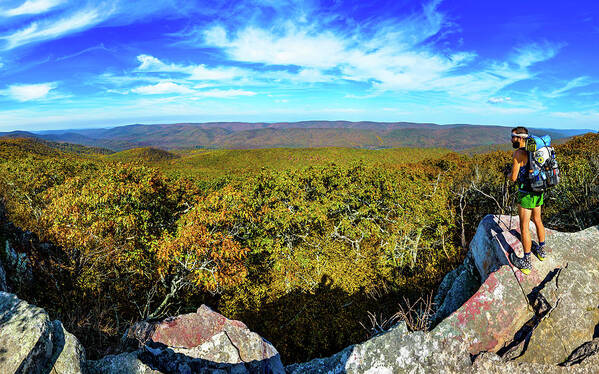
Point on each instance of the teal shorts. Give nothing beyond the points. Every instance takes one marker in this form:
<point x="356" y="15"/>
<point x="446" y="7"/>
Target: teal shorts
<point x="530" y="200"/>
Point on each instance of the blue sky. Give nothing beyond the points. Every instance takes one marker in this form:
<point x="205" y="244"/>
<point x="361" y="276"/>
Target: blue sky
<point x="74" y="64"/>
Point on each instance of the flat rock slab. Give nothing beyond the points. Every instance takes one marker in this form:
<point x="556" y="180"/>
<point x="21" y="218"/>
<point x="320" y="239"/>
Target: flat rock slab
<point x="572" y="317"/>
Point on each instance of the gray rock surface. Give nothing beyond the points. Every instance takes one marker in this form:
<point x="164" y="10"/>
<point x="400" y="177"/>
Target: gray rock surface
<point x="124" y="363"/>
<point x="585" y="351"/>
<point x="457" y="287"/>
<point x="25" y="336"/>
<point x="69" y="355"/>
<point x="31" y="343"/>
<point x="396" y="351"/>
<point x="572" y="299"/>
<point x="490" y="363"/>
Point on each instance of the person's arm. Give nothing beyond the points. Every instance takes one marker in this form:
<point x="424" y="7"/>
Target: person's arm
<point x="515" y="166"/>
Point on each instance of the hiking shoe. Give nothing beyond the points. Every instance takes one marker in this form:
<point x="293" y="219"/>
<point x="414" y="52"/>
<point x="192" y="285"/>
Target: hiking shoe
<point x="539" y="251"/>
<point x="521" y="263"/>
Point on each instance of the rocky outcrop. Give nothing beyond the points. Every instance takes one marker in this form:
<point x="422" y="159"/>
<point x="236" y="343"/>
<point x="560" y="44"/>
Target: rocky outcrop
<point x="508" y="321"/>
<point x="585" y="351"/>
<point x="31" y="343"/>
<point x="541" y="317"/>
<point x="491" y="318"/>
<point x="204" y="341"/>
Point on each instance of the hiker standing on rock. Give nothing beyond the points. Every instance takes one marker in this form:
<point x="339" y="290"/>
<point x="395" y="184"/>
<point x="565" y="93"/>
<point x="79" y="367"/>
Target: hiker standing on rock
<point x="529" y="203"/>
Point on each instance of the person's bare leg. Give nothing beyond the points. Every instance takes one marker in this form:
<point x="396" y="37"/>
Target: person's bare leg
<point x="524" y="215"/>
<point x="536" y="218"/>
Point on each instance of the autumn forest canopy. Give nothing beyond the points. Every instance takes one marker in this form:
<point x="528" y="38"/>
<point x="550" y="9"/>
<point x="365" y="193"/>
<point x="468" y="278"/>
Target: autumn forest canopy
<point x="300" y="244"/>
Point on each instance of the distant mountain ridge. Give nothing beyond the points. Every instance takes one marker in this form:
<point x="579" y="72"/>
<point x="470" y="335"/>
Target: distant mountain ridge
<point x="245" y="135"/>
<point x="32" y="143"/>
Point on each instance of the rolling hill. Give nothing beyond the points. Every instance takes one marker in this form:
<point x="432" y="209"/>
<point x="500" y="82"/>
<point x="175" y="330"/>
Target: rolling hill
<point x="146" y="154"/>
<point x="25" y="142"/>
<point x="240" y="135"/>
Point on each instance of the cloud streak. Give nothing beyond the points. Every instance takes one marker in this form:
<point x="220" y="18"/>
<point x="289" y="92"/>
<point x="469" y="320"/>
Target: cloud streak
<point x="32" y="7"/>
<point x="162" y="88"/>
<point x="28" y="92"/>
<point x="53" y="19"/>
<point x="51" y="29"/>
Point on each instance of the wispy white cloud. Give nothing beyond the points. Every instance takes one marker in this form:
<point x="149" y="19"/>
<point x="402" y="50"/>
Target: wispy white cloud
<point x="99" y="47"/>
<point x="530" y="54"/>
<point x="52" y="19"/>
<point x="32" y="7"/>
<point x="28" y="92"/>
<point x="53" y="28"/>
<point x="110" y="81"/>
<point x="574" y="83"/>
<point x="294" y="47"/>
<point x="194" y="72"/>
<point x="590" y="116"/>
<point x="499" y="100"/>
<point x="224" y="93"/>
<point x="153" y="64"/>
<point x="168" y="87"/>
<point x="230" y="75"/>
<point x="163" y="88"/>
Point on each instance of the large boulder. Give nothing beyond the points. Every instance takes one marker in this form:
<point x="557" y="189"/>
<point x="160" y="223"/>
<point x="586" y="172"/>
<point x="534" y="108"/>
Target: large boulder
<point x="186" y="330"/>
<point x="25" y="336"/>
<point x="204" y="341"/>
<point x="31" y="343"/>
<point x="541" y="317"/>
<point x="507" y="320"/>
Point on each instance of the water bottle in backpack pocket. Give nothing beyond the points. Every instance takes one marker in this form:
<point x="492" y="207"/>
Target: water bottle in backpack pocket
<point x="543" y="169"/>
